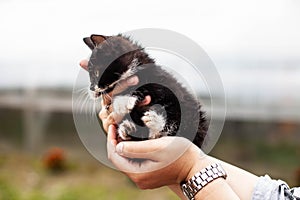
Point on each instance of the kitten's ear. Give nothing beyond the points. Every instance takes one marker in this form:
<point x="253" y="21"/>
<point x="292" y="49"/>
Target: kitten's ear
<point x="98" y="39"/>
<point x="89" y="42"/>
<point x="94" y="40"/>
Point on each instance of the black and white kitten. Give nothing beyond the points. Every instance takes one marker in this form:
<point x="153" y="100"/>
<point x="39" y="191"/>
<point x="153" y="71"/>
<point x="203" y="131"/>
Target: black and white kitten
<point x="173" y="110"/>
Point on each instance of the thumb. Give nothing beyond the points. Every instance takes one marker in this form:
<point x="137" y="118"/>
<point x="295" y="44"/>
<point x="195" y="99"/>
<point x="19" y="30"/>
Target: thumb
<point x="141" y="149"/>
<point x="152" y="149"/>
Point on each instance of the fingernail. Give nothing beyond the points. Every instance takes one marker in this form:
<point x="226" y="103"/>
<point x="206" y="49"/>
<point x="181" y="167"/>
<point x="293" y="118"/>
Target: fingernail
<point x="119" y="148"/>
<point x="110" y="127"/>
<point x="113" y="143"/>
<point x="132" y="80"/>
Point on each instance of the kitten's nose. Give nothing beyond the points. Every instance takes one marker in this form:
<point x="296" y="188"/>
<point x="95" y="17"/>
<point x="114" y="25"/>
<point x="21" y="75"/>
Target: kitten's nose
<point x="92" y="87"/>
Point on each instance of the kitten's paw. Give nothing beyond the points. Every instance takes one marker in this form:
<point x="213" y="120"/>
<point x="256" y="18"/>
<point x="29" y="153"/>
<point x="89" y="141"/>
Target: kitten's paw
<point x="126" y="129"/>
<point x="155" y="122"/>
<point x="122" y="105"/>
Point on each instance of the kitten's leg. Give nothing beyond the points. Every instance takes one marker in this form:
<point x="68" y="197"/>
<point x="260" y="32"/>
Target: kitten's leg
<point x="155" y="122"/>
<point x="123" y="105"/>
<point x="126" y="129"/>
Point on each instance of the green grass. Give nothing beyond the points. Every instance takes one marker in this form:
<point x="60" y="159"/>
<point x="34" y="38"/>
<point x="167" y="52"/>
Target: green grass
<point x="7" y="192"/>
<point x="23" y="177"/>
<point x="279" y="153"/>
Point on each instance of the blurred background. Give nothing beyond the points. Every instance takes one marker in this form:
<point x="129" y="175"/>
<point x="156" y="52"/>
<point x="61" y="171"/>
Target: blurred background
<point x="255" y="46"/>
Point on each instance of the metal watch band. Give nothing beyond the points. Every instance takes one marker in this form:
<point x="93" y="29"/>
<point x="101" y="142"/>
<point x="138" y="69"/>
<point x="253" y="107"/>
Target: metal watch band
<point x="201" y="179"/>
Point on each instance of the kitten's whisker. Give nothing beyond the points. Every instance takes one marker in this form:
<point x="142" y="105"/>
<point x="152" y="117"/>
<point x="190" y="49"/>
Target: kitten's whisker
<point x="88" y="104"/>
<point x="93" y="110"/>
<point x="81" y="98"/>
<point x="89" y="109"/>
<point x="82" y="89"/>
<point x="84" y="103"/>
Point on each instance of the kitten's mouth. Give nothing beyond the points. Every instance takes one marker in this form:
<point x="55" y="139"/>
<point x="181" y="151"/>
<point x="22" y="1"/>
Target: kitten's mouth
<point x="97" y="94"/>
<point x="100" y="91"/>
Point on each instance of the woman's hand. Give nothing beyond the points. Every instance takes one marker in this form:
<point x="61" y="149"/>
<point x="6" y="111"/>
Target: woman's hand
<point x="167" y="161"/>
<point x="163" y="161"/>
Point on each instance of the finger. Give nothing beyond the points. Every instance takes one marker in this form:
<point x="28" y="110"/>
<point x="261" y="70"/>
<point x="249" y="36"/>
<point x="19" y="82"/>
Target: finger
<point x="128" y="166"/>
<point x="148" y="149"/>
<point x="103" y="114"/>
<point x="109" y="120"/>
<point x="134" y="80"/>
<point x="111" y="143"/>
<point x="112" y="135"/>
<point x="123" y="163"/>
<point x="131" y="148"/>
<point x="146" y="101"/>
<point x="84" y="64"/>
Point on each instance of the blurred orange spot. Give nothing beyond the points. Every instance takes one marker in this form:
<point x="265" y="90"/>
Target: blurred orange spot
<point x="54" y="159"/>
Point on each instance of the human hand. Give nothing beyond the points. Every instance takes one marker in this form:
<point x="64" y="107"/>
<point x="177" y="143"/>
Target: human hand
<point x="165" y="161"/>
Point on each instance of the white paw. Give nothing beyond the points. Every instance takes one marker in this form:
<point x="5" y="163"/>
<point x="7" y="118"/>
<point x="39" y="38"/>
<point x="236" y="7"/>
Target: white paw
<point x="126" y="129"/>
<point x="122" y="105"/>
<point x="155" y="123"/>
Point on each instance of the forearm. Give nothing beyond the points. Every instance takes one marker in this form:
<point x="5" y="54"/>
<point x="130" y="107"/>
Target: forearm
<point x="215" y="190"/>
<point x="238" y="182"/>
<point x="177" y="190"/>
<point x="241" y="181"/>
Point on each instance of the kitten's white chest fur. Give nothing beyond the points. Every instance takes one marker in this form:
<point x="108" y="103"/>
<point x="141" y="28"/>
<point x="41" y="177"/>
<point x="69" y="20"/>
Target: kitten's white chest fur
<point x="123" y="105"/>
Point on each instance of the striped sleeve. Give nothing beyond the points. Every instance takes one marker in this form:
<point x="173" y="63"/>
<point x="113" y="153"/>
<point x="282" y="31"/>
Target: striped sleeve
<point x="269" y="189"/>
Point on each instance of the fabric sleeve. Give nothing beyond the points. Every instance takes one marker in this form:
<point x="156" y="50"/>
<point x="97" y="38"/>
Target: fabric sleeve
<point x="269" y="189"/>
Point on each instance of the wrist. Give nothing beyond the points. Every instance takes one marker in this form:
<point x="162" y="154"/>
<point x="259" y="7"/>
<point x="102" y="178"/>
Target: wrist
<point x="194" y="161"/>
<point x="177" y="190"/>
<point x="201" y="179"/>
<point x="199" y="165"/>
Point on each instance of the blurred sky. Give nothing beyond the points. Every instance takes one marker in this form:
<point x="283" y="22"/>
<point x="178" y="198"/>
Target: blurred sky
<point x="41" y="40"/>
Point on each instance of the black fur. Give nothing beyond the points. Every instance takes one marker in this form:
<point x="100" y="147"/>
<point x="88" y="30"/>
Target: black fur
<point x="112" y="56"/>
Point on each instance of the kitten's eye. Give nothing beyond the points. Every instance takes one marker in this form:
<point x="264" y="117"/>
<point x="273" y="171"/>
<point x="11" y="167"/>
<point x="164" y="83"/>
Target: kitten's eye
<point x="97" y="73"/>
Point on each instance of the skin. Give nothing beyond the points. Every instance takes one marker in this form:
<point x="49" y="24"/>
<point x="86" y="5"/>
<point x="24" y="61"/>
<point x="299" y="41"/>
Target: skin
<point x="168" y="165"/>
<point x="156" y="171"/>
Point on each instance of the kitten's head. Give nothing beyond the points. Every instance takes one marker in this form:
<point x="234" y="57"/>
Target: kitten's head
<point x="114" y="58"/>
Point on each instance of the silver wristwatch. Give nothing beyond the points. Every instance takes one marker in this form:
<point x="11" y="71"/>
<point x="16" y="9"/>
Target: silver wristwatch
<point x="201" y="179"/>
